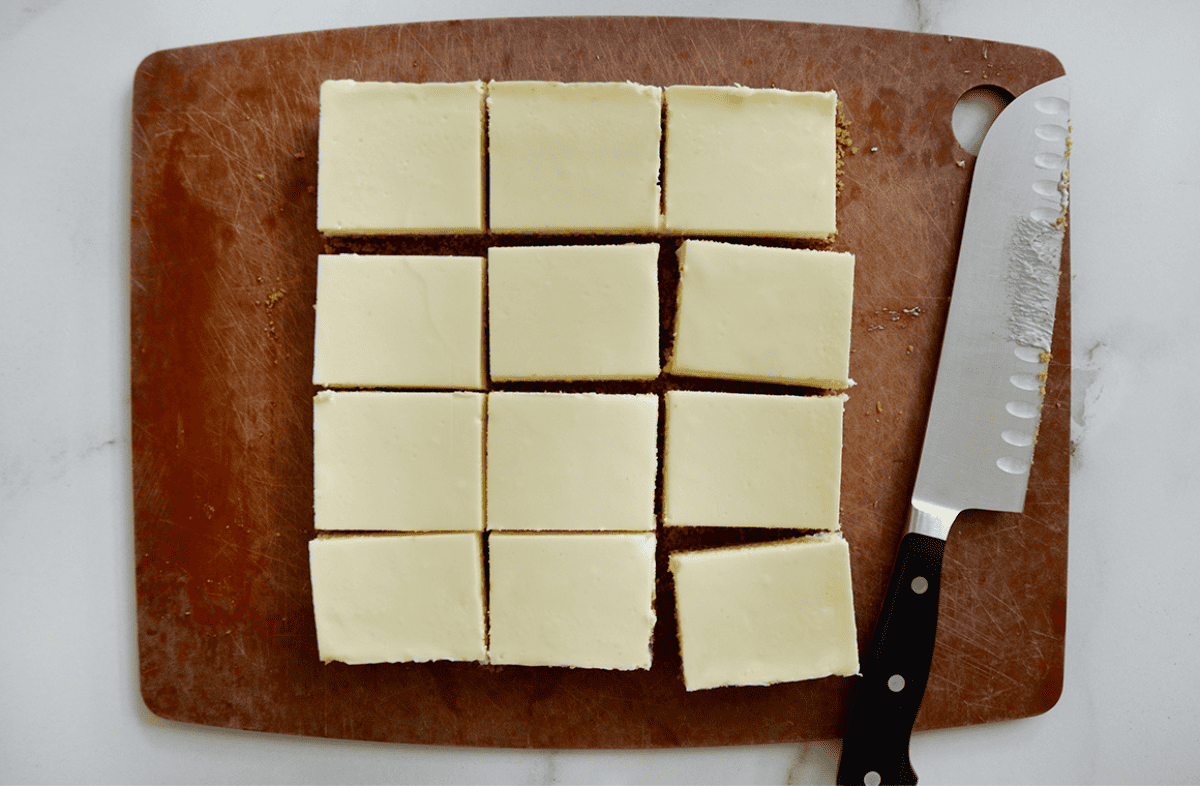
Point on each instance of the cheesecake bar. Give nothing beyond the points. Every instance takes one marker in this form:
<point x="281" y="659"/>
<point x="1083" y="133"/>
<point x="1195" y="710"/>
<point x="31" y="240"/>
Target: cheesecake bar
<point x="399" y="322"/>
<point x="565" y="461"/>
<point x="581" y="600"/>
<point x="398" y="598"/>
<point x="765" y="314"/>
<point x="743" y="161"/>
<point x="398" y="461"/>
<point x="573" y="157"/>
<point x="400" y="158"/>
<point x="763" y="614"/>
<point x="752" y="460"/>
<point x="573" y="312"/>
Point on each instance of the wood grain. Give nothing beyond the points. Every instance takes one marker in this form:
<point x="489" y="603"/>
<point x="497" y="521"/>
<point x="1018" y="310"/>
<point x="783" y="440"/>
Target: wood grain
<point x="224" y="248"/>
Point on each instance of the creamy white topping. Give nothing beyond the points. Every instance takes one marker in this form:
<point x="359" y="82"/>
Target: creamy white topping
<point x="391" y="321"/>
<point x="573" y="312"/>
<point x="398" y="461"/>
<point x="394" y="598"/>
<point x="573" y="157"/>
<point x="764" y="313"/>
<point x="740" y="460"/>
<point x="758" y="615"/>
<point x="584" y="600"/>
<point x="399" y="157"/>
<point x="742" y="161"/>
<point x="558" y="461"/>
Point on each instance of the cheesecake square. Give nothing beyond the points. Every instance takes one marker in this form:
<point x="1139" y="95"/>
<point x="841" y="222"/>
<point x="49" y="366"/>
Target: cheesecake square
<point x="400" y="158"/>
<point x="398" y="598"/>
<point x="764" y="614"/>
<point x="752" y="460"/>
<point x="399" y="322"/>
<point x="568" y="461"/>
<point x="744" y="161"/>
<point x="398" y="461"/>
<point x="573" y="157"/>
<point x="573" y="312"/>
<point x="581" y="600"/>
<point x="764" y="314"/>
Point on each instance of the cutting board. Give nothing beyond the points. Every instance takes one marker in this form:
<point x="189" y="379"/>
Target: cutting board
<point x="223" y="279"/>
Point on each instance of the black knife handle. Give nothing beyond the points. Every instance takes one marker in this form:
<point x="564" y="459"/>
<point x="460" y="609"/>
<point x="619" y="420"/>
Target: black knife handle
<point x="895" y="670"/>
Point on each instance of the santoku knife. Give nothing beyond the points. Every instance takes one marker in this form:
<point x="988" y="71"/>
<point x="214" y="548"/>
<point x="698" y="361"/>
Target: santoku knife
<point x="983" y="419"/>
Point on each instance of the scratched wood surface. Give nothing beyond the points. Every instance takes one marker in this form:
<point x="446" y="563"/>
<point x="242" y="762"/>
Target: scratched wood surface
<point x="224" y="164"/>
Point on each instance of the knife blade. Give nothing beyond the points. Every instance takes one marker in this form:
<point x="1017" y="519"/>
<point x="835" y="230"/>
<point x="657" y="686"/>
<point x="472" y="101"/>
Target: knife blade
<point x="984" y="414"/>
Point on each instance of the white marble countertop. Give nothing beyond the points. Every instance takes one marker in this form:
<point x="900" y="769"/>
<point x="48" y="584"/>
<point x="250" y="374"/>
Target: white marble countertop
<point x="70" y="710"/>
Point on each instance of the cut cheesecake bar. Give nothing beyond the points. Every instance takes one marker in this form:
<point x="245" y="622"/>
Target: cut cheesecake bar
<point x="582" y="600"/>
<point x="573" y="157"/>
<point x="751" y="460"/>
<point x="398" y="157"/>
<point x="762" y="614"/>
<point x="742" y="161"/>
<point x="398" y="461"/>
<point x="399" y="321"/>
<point x="559" y="461"/>
<point x="764" y="314"/>
<point x="573" y="312"/>
<point x="395" y="598"/>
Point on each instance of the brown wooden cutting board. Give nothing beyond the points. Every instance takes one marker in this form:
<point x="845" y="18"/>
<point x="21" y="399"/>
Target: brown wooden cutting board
<point x="224" y="251"/>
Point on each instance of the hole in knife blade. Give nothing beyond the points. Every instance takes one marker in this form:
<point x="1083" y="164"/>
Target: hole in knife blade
<point x="1052" y="105"/>
<point x="1051" y="132"/>
<point x="974" y="113"/>
<point x="1025" y="381"/>
<point x="1028" y="354"/>
<point x="1046" y="188"/>
<point x="1022" y="409"/>
<point x="1051" y="161"/>
<point x="1013" y="466"/>
<point x="1018" y="439"/>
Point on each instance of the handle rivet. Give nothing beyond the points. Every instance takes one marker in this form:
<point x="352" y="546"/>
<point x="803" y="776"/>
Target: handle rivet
<point x="872" y="778"/>
<point x="920" y="584"/>
<point x="895" y="683"/>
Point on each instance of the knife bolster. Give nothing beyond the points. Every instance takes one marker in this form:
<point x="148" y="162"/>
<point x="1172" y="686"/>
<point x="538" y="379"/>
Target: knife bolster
<point x="933" y="520"/>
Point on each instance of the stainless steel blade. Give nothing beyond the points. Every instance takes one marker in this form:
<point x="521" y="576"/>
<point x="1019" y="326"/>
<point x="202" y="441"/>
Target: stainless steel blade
<point x="983" y="420"/>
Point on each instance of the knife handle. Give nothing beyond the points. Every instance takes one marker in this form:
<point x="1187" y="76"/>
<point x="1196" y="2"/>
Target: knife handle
<point x="895" y="670"/>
